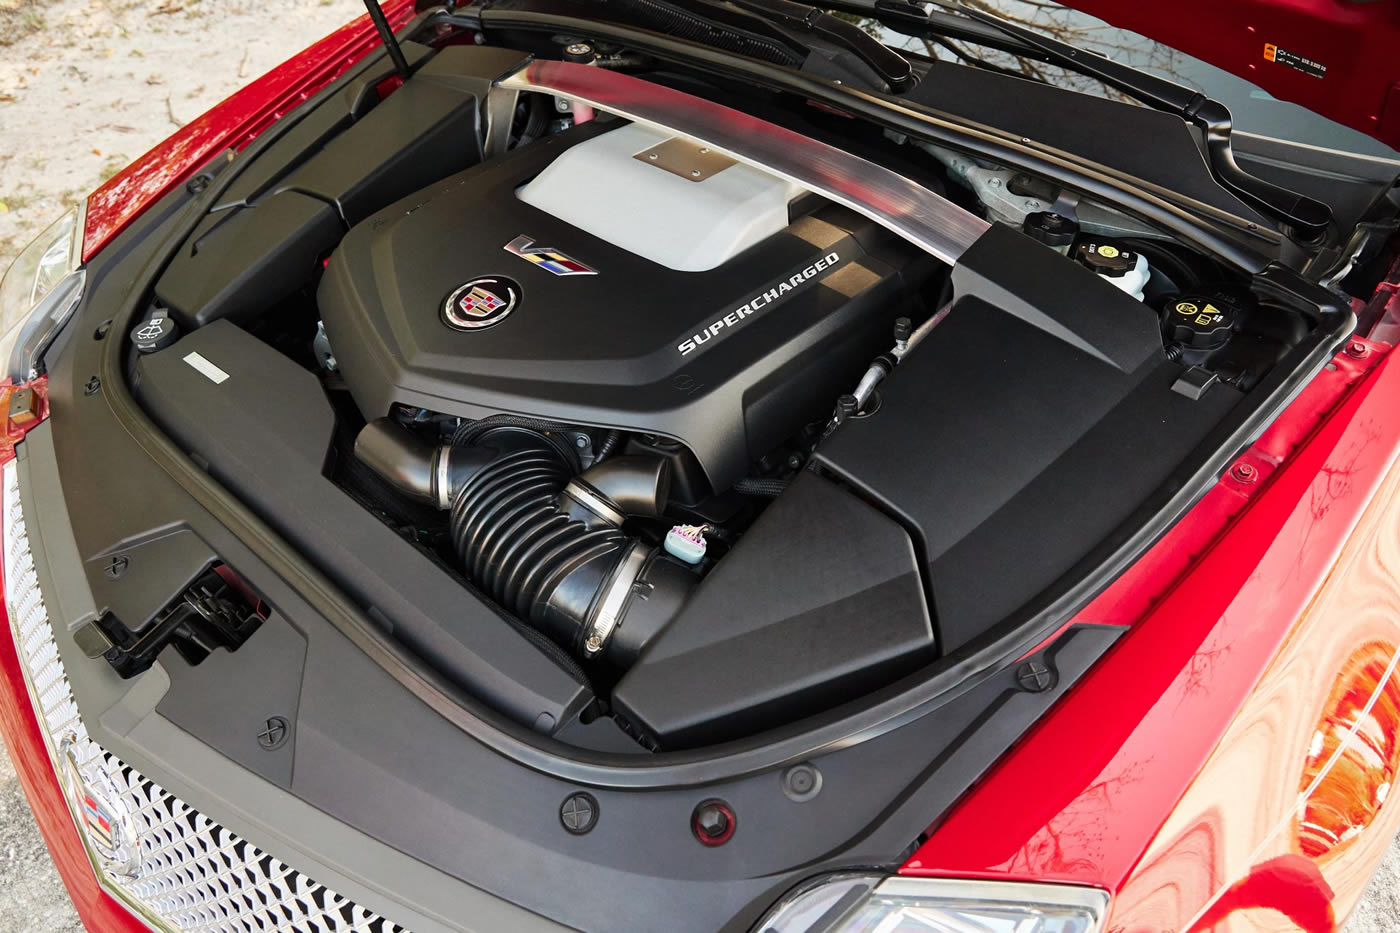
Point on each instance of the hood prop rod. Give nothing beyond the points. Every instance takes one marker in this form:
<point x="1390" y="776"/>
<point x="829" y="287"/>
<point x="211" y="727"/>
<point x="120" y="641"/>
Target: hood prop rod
<point x="391" y="42"/>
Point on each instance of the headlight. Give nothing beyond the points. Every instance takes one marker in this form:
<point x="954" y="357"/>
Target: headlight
<point x="878" y="904"/>
<point x="38" y="295"/>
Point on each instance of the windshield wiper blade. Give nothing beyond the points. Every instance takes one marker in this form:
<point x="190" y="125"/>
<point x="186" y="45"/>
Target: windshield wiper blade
<point x="893" y="68"/>
<point x="1308" y="216"/>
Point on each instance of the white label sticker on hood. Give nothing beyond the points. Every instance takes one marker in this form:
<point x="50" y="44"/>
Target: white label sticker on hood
<point x="215" y="374"/>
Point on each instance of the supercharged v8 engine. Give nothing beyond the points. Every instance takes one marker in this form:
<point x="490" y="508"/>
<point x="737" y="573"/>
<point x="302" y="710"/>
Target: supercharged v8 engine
<point x="590" y="353"/>
<point x="644" y="443"/>
<point x="613" y="277"/>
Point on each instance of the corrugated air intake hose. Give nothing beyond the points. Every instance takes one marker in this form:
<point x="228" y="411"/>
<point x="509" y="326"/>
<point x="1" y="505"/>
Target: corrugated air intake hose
<point x="547" y="545"/>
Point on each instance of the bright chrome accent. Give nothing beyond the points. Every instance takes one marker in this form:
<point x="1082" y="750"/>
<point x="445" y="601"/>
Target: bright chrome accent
<point x="901" y="205"/>
<point x="613" y="601"/>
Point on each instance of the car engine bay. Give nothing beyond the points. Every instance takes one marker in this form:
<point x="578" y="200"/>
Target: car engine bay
<point x="647" y="447"/>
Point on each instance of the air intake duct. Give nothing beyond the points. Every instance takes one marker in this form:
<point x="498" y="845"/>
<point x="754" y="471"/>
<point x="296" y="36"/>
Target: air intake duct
<point x="547" y="545"/>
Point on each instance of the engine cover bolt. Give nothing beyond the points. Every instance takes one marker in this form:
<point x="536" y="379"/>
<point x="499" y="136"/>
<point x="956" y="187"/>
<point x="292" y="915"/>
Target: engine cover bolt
<point x="1358" y="350"/>
<point x="579" y="813"/>
<point x="1244" y="472"/>
<point x="802" y="782"/>
<point x="1035" y="677"/>
<point x="713" y="823"/>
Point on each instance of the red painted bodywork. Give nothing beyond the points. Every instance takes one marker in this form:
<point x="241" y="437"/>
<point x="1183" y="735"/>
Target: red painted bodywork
<point x="1224" y="765"/>
<point x="231" y="124"/>
<point x="1356" y="41"/>
<point x="98" y="910"/>
<point x="1203" y="771"/>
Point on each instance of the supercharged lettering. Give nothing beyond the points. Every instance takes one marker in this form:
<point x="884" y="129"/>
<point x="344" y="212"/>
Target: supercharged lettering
<point x="758" y="302"/>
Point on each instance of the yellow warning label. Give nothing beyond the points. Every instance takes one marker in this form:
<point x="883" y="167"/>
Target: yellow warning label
<point x="1109" y="252"/>
<point x="1186" y="307"/>
<point x="1272" y="53"/>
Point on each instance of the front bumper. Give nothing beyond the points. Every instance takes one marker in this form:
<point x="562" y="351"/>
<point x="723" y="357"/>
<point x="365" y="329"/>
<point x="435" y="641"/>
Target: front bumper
<point x="190" y="873"/>
<point x="199" y="869"/>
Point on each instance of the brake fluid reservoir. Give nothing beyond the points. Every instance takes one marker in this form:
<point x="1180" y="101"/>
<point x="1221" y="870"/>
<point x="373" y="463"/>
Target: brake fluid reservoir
<point x="1125" y="268"/>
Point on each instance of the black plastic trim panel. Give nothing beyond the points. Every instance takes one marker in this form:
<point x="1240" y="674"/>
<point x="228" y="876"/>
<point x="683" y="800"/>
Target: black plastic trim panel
<point x="960" y="673"/>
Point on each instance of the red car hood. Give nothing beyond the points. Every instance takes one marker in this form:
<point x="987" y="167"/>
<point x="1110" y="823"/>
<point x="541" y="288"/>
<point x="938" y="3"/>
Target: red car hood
<point x="1338" y="58"/>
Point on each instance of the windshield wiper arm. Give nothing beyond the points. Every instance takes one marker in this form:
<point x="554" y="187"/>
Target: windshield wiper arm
<point x="1308" y="217"/>
<point x="893" y="68"/>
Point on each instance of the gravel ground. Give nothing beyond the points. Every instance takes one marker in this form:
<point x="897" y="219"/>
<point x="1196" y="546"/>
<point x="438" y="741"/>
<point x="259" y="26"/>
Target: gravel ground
<point x="84" y="89"/>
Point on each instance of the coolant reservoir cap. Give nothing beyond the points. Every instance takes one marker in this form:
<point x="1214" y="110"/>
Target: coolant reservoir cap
<point x="1201" y="322"/>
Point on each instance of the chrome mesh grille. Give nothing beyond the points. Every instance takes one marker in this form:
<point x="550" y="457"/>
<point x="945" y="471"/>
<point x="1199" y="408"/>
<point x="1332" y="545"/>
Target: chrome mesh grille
<point x="194" y="874"/>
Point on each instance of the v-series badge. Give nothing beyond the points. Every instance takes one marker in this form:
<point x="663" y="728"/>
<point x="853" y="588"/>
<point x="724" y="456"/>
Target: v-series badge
<point x="758" y="302"/>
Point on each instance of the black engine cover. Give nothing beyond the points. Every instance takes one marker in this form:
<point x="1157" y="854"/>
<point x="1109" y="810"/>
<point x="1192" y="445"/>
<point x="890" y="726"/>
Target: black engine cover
<point x="729" y="362"/>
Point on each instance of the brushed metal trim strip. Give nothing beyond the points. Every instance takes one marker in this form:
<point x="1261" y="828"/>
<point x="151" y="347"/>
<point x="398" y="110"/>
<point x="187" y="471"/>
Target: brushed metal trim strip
<point x="901" y="205"/>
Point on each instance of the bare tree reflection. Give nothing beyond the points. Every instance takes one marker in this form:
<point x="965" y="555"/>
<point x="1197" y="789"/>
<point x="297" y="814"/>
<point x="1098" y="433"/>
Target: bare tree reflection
<point x="1060" y="23"/>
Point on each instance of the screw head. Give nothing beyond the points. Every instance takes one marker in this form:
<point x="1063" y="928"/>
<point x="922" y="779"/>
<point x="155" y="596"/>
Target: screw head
<point x="1035" y="677"/>
<point x="1244" y="472"/>
<point x="579" y="813"/>
<point x="1032" y="205"/>
<point x="652" y="156"/>
<point x="1357" y="350"/>
<point x="993" y="182"/>
<point x="198" y="183"/>
<point x="713" y="823"/>
<point x="695" y="173"/>
<point x="802" y="782"/>
<point x="93" y="386"/>
<point x="274" y="733"/>
<point x="116" y="567"/>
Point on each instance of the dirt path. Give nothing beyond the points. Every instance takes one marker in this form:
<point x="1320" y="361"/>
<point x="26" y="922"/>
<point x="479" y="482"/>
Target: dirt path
<point x="87" y="87"/>
<point x="84" y="89"/>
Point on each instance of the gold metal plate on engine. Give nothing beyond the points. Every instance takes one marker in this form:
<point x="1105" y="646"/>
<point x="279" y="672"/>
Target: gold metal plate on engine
<point x="689" y="160"/>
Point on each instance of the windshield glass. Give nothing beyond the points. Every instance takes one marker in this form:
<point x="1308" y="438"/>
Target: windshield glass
<point x="1253" y="109"/>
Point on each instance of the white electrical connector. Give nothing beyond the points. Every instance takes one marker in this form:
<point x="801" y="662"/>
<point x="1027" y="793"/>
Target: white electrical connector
<point x="686" y="542"/>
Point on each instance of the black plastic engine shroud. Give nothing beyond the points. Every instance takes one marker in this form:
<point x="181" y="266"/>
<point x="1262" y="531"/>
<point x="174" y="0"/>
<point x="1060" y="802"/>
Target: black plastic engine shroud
<point x="778" y="331"/>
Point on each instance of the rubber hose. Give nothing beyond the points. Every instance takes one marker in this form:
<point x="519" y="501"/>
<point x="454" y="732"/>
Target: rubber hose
<point x="758" y="486"/>
<point x="470" y="432"/>
<point x="610" y="443"/>
<point x="532" y="558"/>
<point x="536" y="118"/>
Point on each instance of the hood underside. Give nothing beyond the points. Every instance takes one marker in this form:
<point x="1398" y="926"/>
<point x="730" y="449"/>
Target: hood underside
<point x="1339" y="59"/>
